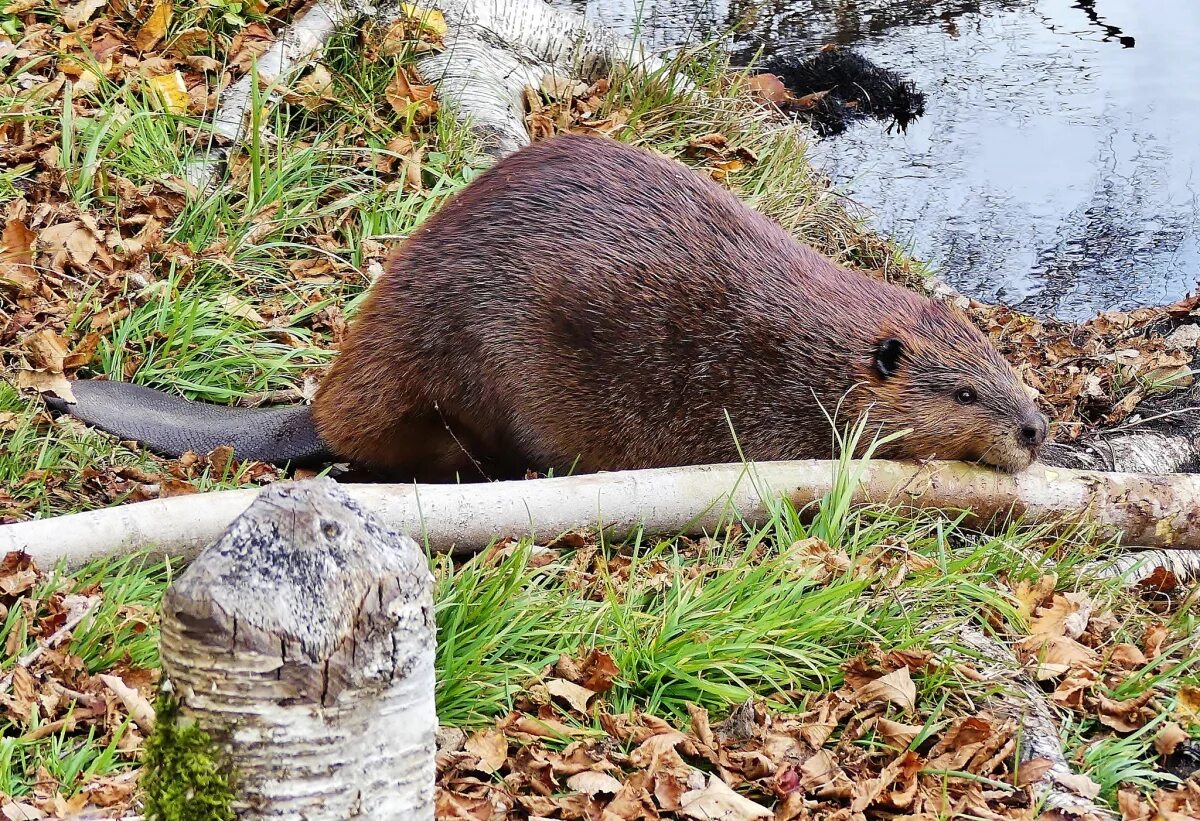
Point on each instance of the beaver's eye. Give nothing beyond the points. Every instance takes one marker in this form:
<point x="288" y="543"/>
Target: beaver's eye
<point x="964" y="396"/>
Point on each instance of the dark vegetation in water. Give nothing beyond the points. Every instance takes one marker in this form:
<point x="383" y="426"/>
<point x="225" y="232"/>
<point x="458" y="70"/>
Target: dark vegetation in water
<point x="850" y="87"/>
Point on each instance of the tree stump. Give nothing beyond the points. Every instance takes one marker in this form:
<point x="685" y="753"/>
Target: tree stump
<point x="302" y="642"/>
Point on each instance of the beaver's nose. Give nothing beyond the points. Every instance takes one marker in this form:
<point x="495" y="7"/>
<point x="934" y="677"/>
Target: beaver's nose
<point x="1033" y="431"/>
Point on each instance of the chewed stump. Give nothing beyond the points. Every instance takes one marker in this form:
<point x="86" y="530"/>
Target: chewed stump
<point x="302" y="643"/>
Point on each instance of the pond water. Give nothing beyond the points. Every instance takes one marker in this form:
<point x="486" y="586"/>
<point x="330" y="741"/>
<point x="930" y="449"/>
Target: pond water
<point x="1055" y="167"/>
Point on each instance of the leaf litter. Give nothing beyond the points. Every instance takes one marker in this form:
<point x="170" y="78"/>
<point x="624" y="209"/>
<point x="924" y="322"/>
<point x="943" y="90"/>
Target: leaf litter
<point x="48" y="691"/>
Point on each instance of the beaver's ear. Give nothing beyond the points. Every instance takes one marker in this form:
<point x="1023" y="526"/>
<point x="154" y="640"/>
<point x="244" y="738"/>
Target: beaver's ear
<point x="887" y="356"/>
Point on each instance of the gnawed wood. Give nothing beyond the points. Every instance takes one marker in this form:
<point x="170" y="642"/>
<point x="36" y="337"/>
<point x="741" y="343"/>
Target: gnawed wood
<point x="496" y="48"/>
<point x="302" y="641"/>
<point x="1153" y="511"/>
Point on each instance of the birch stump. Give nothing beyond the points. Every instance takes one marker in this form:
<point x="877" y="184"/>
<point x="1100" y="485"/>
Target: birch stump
<point x="302" y="642"/>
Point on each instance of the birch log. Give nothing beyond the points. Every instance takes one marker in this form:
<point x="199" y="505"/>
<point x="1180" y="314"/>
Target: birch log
<point x="493" y="50"/>
<point x="302" y="640"/>
<point x="1154" y="511"/>
<point x="496" y="48"/>
<point x="1022" y="701"/>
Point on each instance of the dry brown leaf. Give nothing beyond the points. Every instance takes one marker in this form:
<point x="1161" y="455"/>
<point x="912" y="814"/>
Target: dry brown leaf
<point x="717" y="801"/>
<point x="1077" y="783"/>
<point x="16" y="255"/>
<point x="577" y="697"/>
<point x="1066" y="615"/>
<point x="1188" y="705"/>
<point x="45" y="382"/>
<point x="1153" y="640"/>
<point x="1169" y="737"/>
<point x="79" y="13"/>
<point x="1033" y="771"/>
<point x="407" y="97"/>
<point x="46" y="350"/>
<point x="315" y="89"/>
<point x="1056" y="656"/>
<point x="768" y="88"/>
<point x="192" y="42"/>
<point x="241" y="309"/>
<point x="428" y="19"/>
<point x="490" y="747"/>
<point x="1029" y="596"/>
<point x="1128" y="657"/>
<point x="20" y="811"/>
<point x="592" y="782"/>
<point x="658" y="752"/>
<point x="897" y="734"/>
<point x="895" y="688"/>
<point x="599" y="671"/>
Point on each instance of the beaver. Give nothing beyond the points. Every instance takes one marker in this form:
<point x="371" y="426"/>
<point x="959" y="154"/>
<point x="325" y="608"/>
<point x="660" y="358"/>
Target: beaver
<point x="585" y="306"/>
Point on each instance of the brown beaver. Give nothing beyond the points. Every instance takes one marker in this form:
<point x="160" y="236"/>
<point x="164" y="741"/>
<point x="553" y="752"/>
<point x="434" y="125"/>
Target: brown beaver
<point x="587" y="306"/>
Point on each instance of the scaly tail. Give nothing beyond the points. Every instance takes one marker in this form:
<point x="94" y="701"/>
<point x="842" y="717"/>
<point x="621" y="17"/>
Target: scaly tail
<point x="170" y="425"/>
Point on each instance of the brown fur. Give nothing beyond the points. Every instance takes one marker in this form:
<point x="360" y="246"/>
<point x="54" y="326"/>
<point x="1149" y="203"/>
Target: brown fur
<point x="587" y="305"/>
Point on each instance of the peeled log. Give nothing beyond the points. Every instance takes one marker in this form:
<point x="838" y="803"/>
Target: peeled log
<point x="303" y="642"/>
<point x="1151" y="511"/>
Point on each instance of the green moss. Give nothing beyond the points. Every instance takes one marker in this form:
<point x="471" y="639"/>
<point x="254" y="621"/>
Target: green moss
<point x="185" y="777"/>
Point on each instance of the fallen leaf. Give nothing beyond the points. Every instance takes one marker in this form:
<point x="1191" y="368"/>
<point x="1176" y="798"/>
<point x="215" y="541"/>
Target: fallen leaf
<point x="46" y="350"/>
<point x="490" y="747"/>
<point x="406" y="97"/>
<point x="1188" y="705"/>
<point x="45" y="382"/>
<point x="155" y="26"/>
<point x="1153" y="640"/>
<point x="768" y="88"/>
<point x="75" y="16"/>
<point x="717" y="801"/>
<point x="170" y="92"/>
<point x="1077" y="783"/>
<point x="429" y="19"/>
<point x="896" y="688"/>
<point x="1169" y="737"/>
<point x="592" y="782"/>
<point x="315" y="89"/>
<point x="241" y="309"/>
<point x="897" y="734"/>
<point x="573" y="694"/>
<point x="1029" y="596"/>
<point x="1033" y="771"/>
<point x="599" y="670"/>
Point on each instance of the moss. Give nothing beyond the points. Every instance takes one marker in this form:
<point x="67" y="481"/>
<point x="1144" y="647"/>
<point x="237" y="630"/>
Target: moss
<point x="185" y="776"/>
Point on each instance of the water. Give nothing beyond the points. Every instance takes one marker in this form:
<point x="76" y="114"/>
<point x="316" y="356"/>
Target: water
<point x="1055" y="167"/>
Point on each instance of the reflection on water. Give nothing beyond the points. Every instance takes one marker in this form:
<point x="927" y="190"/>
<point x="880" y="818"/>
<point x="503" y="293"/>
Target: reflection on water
<point x="1054" y="167"/>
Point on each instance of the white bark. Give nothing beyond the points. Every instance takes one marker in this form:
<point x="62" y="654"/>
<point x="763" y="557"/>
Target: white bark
<point x="291" y="51"/>
<point x="495" y="48"/>
<point x="1140" y="564"/>
<point x="1149" y="510"/>
<point x="1024" y="702"/>
<point x="302" y="641"/>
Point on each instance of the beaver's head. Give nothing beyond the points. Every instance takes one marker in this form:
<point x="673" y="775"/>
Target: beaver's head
<point x="937" y="374"/>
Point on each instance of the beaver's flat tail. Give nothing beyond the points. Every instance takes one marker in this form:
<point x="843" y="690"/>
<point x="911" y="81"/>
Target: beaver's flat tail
<point x="170" y="425"/>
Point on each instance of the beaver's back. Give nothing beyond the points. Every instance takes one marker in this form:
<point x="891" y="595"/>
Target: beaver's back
<point x="585" y="298"/>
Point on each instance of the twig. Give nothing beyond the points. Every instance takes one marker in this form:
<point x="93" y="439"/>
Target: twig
<point x="77" y="608"/>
